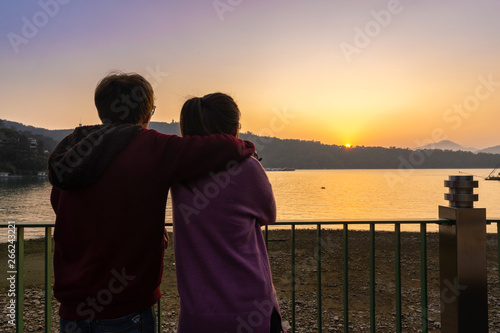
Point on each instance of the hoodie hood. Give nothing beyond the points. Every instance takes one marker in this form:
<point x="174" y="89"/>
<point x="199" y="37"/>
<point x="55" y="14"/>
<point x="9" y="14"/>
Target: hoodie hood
<point x="82" y="157"/>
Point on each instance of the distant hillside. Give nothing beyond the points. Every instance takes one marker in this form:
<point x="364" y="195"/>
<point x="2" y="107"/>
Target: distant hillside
<point x="58" y="135"/>
<point x="492" y="150"/>
<point x="48" y="138"/>
<point x="19" y="154"/>
<point x="447" y="145"/>
<point x="167" y="128"/>
<point x="301" y="154"/>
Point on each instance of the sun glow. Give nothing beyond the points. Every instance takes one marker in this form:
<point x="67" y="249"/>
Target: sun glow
<point x="347" y="145"/>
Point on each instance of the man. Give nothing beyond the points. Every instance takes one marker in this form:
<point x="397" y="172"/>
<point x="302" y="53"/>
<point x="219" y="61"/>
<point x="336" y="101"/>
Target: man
<point x="110" y="190"/>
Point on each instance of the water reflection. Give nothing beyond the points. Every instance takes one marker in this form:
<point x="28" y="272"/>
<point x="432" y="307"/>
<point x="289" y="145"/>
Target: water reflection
<point x="25" y="199"/>
<point x="372" y="195"/>
<point x="300" y="195"/>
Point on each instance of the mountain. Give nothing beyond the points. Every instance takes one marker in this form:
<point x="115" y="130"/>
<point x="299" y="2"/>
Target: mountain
<point x="300" y="154"/>
<point x="447" y="145"/>
<point x="491" y="150"/>
<point x="58" y="135"/>
<point x="20" y="154"/>
<point x="47" y="138"/>
<point x="167" y="128"/>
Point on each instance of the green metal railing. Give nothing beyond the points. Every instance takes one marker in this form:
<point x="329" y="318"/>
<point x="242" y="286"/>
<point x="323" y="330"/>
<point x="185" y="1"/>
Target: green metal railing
<point x="19" y="271"/>
<point x="345" y="262"/>
<point x="344" y="225"/>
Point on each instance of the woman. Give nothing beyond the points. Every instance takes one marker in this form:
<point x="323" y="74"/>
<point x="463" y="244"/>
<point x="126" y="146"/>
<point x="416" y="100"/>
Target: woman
<point x="223" y="274"/>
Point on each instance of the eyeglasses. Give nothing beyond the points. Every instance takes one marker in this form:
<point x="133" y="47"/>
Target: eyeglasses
<point x="154" y="109"/>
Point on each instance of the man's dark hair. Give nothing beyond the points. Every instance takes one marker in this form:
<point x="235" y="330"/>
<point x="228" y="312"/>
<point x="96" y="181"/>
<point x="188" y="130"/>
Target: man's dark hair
<point x="124" y="98"/>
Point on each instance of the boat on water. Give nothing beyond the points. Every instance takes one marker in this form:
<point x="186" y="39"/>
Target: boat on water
<point x="494" y="175"/>
<point x="6" y="175"/>
<point x="279" y="169"/>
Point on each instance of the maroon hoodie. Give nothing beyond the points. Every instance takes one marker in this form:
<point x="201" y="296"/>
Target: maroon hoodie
<point x="109" y="196"/>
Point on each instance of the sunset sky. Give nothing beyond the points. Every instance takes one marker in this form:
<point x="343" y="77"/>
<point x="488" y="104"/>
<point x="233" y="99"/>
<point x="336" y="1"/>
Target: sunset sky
<point x="374" y="73"/>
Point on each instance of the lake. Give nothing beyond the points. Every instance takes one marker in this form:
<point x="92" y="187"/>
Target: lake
<point x="301" y="195"/>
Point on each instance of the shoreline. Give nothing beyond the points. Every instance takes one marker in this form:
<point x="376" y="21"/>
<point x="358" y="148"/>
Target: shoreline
<point x="279" y="248"/>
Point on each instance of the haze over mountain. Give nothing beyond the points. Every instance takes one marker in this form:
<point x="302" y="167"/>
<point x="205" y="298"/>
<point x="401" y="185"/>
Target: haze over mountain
<point x="447" y="145"/>
<point x="491" y="150"/>
<point x="450" y="145"/>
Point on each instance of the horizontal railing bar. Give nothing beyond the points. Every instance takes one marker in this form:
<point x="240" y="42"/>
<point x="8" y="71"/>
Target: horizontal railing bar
<point x="376" y="222"/>
<point x="367" y="222"/>
<point x="312" y="223"/>
<point x="283" y="222"/>
<point x="5" y="224"/>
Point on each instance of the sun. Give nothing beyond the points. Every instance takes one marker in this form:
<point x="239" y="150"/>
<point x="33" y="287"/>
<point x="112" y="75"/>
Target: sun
<point x="347" y="145"/>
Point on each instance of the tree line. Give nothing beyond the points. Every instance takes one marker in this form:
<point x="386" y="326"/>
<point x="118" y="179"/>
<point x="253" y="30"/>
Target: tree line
<point x="275" y="152"/>
<point x="300" y="154"/>
<point x="17" y="154"/>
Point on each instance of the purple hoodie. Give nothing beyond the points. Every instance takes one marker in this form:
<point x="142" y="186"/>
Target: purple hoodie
<point x="223" y="274"/>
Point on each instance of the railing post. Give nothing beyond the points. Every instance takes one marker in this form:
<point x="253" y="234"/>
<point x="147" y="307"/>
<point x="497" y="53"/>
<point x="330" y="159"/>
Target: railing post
<point x="20" y="280"/>
<point x="462" y="260"/>
<point x="48" y="279"/>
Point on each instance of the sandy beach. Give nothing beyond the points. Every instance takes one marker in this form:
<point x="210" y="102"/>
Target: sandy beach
<point x="306" y="283"/>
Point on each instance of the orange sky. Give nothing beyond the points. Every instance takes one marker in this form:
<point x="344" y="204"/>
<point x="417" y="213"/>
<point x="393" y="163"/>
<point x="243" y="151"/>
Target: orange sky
<point x="387" y="73"/>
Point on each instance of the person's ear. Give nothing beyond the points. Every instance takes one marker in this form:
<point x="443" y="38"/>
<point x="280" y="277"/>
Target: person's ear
<point x="236" y="130"/>
<point x="146" y="123"/>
